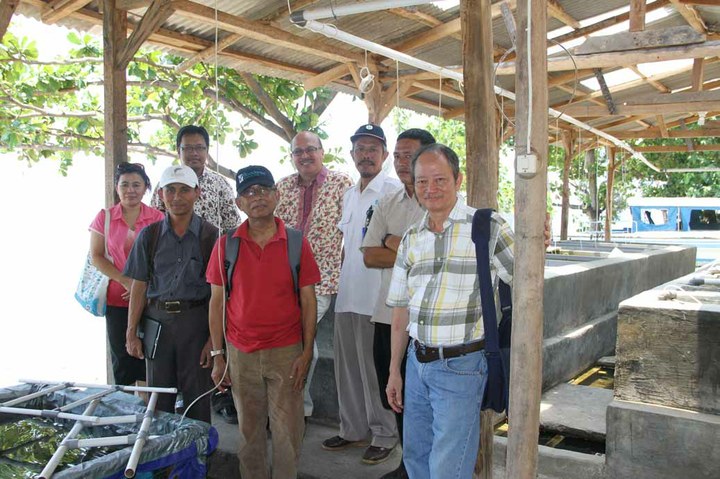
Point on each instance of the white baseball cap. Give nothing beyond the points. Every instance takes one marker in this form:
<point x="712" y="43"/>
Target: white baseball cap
<point x="178" y="174"/>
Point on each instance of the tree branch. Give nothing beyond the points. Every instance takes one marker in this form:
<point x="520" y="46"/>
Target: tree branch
<point x="269" y="105"/>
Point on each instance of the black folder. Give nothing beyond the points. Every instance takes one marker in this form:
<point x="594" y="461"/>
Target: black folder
<point x="150" y="334"/>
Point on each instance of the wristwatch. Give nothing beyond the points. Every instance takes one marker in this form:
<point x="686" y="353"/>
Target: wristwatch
<point x="216" y="352"/>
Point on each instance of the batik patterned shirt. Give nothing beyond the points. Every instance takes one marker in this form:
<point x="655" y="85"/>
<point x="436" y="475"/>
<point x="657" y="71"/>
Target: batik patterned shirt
<point x="320" y="228"/>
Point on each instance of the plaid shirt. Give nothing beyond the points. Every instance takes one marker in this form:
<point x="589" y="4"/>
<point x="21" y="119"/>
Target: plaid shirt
<point x="435" y="277"/>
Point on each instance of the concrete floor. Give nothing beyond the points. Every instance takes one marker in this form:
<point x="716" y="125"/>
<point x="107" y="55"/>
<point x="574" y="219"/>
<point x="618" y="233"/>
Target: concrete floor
<point x="315" y="462"/>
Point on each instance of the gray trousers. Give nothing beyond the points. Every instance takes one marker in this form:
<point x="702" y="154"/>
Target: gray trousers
<point x="362" y="415"/>
<point x="177" y="360"/>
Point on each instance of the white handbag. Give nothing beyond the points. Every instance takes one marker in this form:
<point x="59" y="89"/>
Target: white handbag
<point x="91" y="290"/>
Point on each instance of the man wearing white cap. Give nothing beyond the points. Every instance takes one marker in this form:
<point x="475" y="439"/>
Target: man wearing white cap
<point x="169" y="296"/>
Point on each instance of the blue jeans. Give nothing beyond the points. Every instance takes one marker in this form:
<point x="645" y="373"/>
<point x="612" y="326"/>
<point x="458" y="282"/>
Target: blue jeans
<point x="442" y="415"/>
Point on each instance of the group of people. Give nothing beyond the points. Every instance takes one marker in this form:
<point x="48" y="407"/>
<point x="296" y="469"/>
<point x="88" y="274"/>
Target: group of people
<point x="240" y="310"/>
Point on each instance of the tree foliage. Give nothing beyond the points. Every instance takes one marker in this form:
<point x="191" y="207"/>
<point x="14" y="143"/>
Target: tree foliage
<point x="54" y="109"/>
<point x="452" y="134"/>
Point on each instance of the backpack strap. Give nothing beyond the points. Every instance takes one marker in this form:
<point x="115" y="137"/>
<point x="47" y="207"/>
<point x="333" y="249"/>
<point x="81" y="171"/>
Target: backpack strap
<point x="153" y="237"/>
<point x="232" y="249"/>
<point x="294" y="245"/>
<point x="481" y="238"/>
<point x="294" y="248"/>
<point x="208" y="236"/>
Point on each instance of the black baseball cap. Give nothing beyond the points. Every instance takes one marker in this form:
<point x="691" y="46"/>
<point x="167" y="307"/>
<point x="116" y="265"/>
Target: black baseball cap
<point x="253" y="175"/>
<point x="370" y="130"/>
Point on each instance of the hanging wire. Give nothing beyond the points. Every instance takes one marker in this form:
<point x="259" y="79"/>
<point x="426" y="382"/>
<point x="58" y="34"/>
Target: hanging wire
<point x="440" y="94"/>
<point x="397" y="85"/>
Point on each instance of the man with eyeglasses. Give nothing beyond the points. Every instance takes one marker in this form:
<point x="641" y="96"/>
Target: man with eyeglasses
<point x="269" y="327"/>
<point x="311" y="201"/>
<point x="217" y="200"/>
<point x="362" y="415"/>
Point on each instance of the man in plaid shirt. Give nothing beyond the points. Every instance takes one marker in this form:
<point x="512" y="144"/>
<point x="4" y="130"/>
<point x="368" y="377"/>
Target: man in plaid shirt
<point x="436" y="300"/>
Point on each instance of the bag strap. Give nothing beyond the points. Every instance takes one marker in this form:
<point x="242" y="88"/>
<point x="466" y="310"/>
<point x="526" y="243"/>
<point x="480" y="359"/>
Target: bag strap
<point x="481" y="238"/>
<point x="232" y="249"/>
<point x="294" y="248"/>
<point x="294" y="245"/>
<point x="106" y="233"/>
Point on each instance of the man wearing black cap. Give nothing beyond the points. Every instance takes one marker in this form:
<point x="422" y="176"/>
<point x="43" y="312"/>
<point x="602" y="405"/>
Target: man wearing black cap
<point x="269" y="328"/>
<point x="362" y="415"/>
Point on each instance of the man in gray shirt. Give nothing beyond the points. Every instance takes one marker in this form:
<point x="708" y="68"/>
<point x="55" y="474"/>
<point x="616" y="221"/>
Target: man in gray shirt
<point x="392" y="217"/>
<point x="167" y="264"/>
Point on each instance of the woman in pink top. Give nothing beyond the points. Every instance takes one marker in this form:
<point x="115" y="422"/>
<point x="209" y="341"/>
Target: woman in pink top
<point x="127" y="218"/>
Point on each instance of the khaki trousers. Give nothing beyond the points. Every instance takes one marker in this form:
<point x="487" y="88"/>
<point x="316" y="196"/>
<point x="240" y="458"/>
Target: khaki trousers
<point x="262" y="388"/>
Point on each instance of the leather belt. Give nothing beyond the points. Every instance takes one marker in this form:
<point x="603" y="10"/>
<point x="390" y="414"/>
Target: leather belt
<point x="427" y="354"/>
<point x="176" y="306"/>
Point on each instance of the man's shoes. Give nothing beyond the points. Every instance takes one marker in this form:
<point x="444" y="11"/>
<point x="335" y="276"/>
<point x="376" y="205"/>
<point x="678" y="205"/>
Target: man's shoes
<point x="376" y="454"/>
<point x="399" y="473"/>
<point x="337" y="443"/>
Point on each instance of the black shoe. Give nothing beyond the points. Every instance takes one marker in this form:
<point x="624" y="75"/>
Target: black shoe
<point x="399" y="473"/>
<point x="337" y="443"/>
<point x="376" y="454"/>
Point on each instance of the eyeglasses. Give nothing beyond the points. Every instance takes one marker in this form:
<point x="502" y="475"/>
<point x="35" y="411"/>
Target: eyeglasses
<point x="191" y="148"/>
<point x="257" y="191"/>
<point x="298" y="152"/>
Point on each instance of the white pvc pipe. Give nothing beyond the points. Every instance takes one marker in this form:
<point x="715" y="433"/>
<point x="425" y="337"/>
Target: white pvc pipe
<point x="49" y="414"/>
<point x="141" y="437"/>
<point x="105" y="441"/>
<point x="127" y="419"/>
<point x="331" y="31"/>
<point x="84" y="400"/>
<point x="351" y="9"/>
<point x="52" y="464"/>
<point x="106" y="386"/>
<point x="34" y="395"/>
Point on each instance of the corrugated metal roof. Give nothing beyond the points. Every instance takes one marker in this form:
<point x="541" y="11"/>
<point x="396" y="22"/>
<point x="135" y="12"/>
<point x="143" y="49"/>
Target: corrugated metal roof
<point x="279" y="59"/>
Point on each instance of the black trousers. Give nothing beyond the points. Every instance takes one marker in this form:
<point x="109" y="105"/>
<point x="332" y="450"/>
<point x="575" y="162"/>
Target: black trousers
<point x="382" y="353"/>
<point x="177" y="360"/>
<point x="126" y="369"/>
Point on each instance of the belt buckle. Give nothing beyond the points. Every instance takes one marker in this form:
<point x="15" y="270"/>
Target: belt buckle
<point x="172" y="307"/>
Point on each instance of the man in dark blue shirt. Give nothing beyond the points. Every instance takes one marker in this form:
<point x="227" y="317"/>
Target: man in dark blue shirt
<point x="167" y="264"/>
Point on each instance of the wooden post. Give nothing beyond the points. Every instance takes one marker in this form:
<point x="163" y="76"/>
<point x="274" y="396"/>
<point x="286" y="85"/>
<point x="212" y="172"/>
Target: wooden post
<point x="609" y="193"/>
<point x="637" y="15"/>
<point x="480" y="125"/>
<point x="7" y="10"/>
<point x="115" y="95"/>
<point x="565" y="209"/>
<point x="528" y="276"/>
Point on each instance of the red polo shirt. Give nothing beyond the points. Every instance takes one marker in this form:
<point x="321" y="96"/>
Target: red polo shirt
<point x="262" y="311"/>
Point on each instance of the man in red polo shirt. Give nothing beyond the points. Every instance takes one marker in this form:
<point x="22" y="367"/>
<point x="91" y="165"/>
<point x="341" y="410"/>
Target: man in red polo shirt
<point x="269" y="329"/>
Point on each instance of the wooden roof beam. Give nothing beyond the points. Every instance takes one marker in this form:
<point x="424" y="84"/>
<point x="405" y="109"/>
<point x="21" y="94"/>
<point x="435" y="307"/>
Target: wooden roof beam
<point x="624" y="58"/>
<point x="556" y="10"/>
<point x="657" y="133"/>
<point x="222" y="44"/>
<point x="263" y="32"/>
<point x="675" y="148"/>
<point x="154" y="17"/>
<point x="326" y="77"/>
<point x="691" y="16"/>
<point x="660" y="104"/>
<point x="416" y="16"/>
<point x="59" y="9"/>
<point x="7" y="10"/>
<point x="434" y="87"/>
<point x="653" y="80"/>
